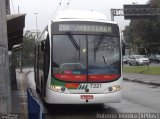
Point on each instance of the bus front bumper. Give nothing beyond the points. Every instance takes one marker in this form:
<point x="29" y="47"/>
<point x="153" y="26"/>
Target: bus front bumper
<point x="53" y="97"/>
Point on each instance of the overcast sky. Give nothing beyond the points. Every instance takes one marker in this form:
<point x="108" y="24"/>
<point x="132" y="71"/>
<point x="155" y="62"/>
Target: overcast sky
<point x="47" y="8"/>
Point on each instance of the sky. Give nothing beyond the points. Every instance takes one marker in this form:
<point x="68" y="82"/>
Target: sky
<point x="46" y="9"/>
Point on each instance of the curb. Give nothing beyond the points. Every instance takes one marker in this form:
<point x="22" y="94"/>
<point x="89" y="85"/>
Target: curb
<point x="143" y="82"/>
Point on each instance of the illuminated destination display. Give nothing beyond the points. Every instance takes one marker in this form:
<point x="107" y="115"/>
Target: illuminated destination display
<point x="85" y="28"/>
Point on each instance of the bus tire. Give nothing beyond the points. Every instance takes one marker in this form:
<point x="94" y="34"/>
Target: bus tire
<point x="37" y="90"/>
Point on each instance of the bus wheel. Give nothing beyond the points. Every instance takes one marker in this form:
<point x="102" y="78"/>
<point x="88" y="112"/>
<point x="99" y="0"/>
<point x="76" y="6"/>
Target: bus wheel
<point x="47" y="105"/>
<point x="37" y="89"/>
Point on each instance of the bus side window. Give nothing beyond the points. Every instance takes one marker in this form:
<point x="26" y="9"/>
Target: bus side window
<point x="46" y="59"/>
<point x="43" y="39"/>
<point x="36" y="63"/>
<point x="42" y="46"/>
<point x="123" y="48"/>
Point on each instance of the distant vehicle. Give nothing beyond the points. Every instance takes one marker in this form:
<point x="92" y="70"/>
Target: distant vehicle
<point x="154" y="58"/>
<point x="138" y="60"/>
<point x="125" y="59"/>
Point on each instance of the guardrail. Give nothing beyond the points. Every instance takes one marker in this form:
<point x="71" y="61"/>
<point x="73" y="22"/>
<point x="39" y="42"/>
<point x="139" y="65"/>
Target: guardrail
<point x="35" y="108"/>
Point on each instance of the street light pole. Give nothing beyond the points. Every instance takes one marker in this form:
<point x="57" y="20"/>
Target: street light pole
<point x="36" y="24"/>
<point x="20" y="53"/>
<point x="112" y="15"/>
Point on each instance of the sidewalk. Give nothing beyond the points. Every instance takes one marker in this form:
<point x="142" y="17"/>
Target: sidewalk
<point x="142" y="78"/>
<point x="19" y="96"/>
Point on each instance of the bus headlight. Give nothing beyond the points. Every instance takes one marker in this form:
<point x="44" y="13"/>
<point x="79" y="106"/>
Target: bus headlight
<point x="56" y="88"/>
<point x="114" y="88"/>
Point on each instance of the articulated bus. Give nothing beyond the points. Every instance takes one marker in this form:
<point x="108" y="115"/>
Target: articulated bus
<point x="78" y="59"/>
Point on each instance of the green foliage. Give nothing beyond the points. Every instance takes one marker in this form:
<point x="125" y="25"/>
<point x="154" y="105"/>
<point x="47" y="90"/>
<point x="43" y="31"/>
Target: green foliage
<point x="142" y="69"/>
<point x="144" y="33"/>
<point x="28" y="51"/>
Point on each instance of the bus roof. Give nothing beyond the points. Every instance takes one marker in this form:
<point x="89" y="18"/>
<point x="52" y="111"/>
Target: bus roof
<point x="80" y="15"/>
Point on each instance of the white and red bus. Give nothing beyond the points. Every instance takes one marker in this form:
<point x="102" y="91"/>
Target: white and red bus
<point x="78" y="59"/>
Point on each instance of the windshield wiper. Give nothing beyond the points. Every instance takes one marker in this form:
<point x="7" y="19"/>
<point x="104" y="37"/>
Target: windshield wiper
<point x="72" y="39"/>
<point x="100" y="40"/>
<point x="104" y="59"/>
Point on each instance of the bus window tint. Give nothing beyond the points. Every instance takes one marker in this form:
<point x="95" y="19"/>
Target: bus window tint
<point x="103" y="57"/>
<point x="68" y="56"/>
<point x="92" y="55"/>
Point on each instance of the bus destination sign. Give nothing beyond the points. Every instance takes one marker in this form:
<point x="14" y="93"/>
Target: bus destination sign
<point x="85" y="28"/>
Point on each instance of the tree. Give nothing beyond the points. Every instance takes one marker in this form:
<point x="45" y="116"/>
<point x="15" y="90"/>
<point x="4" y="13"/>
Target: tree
<point x="28" y="51"/>
<point x="144" y="34"/>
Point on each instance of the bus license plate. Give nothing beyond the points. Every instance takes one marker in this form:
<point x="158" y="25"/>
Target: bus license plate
<point x="95" y="85"/>
<point x="87" y="97"/>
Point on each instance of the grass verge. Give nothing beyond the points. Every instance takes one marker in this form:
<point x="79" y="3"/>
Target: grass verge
<point x="155" y="70"/>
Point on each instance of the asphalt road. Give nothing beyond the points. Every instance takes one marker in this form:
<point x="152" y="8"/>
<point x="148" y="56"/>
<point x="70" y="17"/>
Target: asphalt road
<point x="137" y="99"/>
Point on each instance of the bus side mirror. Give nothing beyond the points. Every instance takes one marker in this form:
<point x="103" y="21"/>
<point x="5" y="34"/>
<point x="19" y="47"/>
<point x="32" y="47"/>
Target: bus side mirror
<point x="43" y="46"/>
<point x="123" y="48"/>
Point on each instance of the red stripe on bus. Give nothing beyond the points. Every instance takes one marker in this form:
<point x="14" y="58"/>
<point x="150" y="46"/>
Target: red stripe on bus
<point x="108" y="77"/>
<point x="72" y="77"/>
<point x="72" y="85"/>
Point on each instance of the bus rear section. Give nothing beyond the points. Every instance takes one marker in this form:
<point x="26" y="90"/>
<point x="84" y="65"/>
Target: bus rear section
<point x="85" y="63"/>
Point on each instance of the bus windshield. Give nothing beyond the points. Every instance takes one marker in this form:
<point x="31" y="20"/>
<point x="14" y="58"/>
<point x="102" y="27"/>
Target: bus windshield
<point x="87" y="58"/>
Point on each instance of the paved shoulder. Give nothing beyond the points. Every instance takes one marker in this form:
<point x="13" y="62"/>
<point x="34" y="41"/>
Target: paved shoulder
<point x="142" y="78"/>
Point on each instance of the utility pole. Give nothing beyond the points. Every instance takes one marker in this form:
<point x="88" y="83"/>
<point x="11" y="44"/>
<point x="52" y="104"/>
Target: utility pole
<point x="112" y="14"/>
<point x="20" y="53"/>
<point x="36" y="24"/>
<point x="5" y="86"/>
<point x="8" y="7"/>
<point x="18" y="10"/>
